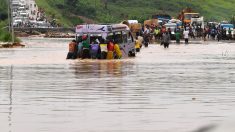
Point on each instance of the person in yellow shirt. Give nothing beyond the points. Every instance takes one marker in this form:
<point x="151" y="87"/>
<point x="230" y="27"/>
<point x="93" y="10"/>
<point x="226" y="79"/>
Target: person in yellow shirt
<point x="118" y="52"/>
<point x="137" y="45"/>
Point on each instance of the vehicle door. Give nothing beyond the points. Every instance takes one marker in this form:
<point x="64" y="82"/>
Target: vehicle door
<point x="124" y="46"/>
<point x="118" y="38"/>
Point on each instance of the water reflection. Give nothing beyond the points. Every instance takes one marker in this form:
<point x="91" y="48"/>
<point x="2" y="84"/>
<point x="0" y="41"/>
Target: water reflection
<point x="99" y="68"/>
<point x="10" y="98"/>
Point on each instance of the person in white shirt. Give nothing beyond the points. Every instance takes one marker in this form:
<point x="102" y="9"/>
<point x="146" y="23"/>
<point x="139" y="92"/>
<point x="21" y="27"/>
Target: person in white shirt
<point x="186" y="36"/>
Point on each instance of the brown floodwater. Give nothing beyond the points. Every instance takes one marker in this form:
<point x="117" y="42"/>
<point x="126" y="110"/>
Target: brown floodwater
<point x="179" y="89"/>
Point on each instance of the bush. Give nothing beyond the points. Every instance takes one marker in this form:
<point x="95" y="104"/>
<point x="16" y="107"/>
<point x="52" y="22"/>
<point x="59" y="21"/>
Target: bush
<point x="3" y="16"/>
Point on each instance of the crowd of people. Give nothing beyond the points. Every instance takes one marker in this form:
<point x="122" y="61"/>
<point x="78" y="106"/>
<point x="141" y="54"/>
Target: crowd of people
<point x="96" y="49"/>
<point x="165" y="35"/>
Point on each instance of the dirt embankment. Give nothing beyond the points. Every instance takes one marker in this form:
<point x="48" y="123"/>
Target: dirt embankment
<point x="10" y="45"/>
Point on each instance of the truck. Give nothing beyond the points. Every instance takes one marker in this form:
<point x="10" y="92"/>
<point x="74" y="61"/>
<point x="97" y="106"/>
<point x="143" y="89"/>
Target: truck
<point x="162" y="17"/>
<point x="186" y="15"/>
<point x="197" y="22"/>
<point x="134" y="26"/>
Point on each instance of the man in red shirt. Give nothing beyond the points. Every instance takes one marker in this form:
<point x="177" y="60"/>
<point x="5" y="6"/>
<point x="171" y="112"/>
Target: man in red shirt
<point x="110" y="48"/>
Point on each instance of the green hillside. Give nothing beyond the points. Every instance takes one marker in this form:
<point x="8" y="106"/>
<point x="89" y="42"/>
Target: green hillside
<point x="67" y="11"/>
<point x="72" y="12"/>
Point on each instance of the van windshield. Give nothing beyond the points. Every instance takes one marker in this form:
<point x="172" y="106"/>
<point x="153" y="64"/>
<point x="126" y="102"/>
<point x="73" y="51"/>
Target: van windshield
<point x="94" y="38"/>
<point x="118" y="38"/>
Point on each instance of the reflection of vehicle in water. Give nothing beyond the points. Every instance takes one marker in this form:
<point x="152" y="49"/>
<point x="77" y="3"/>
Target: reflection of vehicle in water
<point x="103" y="68"/>
<point x="119" y="33"/>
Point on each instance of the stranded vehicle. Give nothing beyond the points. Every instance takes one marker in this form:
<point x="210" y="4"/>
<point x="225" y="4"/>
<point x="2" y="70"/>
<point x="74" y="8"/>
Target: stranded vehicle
<point x="119" y="33"/>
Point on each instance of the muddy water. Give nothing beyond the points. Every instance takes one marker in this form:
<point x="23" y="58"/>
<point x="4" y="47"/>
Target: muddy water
<point x="178" y="89"/>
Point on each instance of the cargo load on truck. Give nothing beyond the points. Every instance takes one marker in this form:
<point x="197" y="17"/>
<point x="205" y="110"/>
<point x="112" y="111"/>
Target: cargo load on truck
<point x="134" y="25"/>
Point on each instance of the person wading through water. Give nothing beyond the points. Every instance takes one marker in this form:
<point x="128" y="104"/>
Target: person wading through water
<point x="117" y="51"/>
<point x="166" y="39"/>
<point x="110" y="47"/>
<point x="186" y="36"/>
<point x="177" y="36"/>
<point x="85" y="48"/>
<point x="72" y="50"/>
<point x="94" y="49"/>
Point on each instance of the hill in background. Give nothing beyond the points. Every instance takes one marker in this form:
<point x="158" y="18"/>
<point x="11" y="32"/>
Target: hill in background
<point x="72" y="12"/>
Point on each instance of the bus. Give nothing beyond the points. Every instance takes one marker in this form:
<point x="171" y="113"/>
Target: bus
<point x="119" y="33"/>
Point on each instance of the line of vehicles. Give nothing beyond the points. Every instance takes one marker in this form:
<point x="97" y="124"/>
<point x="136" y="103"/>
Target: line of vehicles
<point x="25" y="14"/>
<point x="188" y="18"/>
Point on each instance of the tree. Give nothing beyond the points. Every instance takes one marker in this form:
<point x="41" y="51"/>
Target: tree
<point x="71" y="3"/>
<point x="105" y="2"/>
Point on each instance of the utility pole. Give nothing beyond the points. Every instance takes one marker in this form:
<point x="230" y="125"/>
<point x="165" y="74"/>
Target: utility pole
<point x="11" y="17"/>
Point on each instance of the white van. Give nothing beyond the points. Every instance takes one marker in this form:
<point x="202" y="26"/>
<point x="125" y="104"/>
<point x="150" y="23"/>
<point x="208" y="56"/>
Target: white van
<point x="119" y="33"/>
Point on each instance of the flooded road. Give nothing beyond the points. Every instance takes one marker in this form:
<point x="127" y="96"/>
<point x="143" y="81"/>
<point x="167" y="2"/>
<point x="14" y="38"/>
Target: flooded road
<point x="175" y="90"/>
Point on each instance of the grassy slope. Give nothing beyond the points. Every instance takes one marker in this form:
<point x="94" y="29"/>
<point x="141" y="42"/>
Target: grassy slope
<point x="139" y="9"/>
<point x="62" y="16"/>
